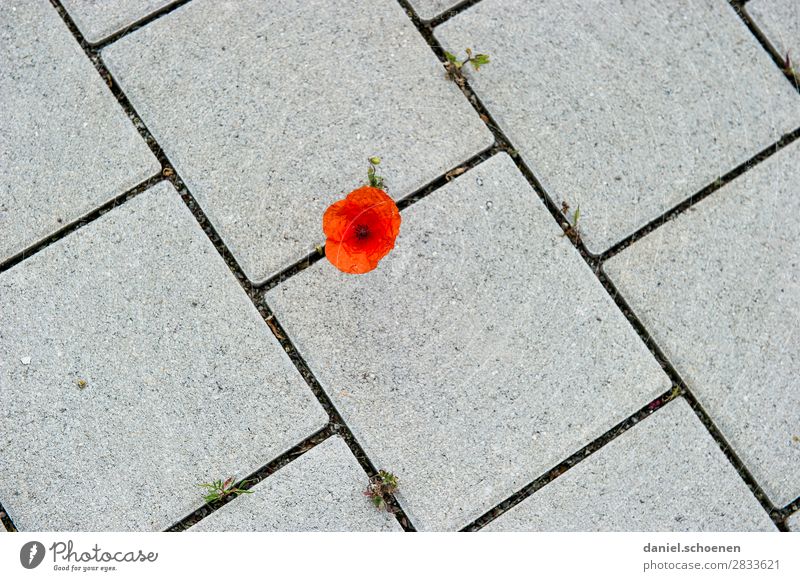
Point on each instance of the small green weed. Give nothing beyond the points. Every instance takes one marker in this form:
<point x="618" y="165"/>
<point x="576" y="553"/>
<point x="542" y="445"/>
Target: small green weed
<point x="381" y="484"/>
<point x="375" y="180"/>
<point x="221" y="489"/>
<point x="455" y="67"/>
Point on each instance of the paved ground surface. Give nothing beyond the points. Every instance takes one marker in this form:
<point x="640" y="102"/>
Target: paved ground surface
<point x="166" y="318"/>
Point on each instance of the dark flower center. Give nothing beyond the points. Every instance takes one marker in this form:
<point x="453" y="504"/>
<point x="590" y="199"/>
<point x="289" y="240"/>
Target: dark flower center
<point x="362" y="231"/>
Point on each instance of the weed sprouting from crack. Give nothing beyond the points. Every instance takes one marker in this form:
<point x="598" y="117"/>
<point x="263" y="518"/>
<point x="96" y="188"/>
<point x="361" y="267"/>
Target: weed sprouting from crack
<point x="788" y="68"/>
<point x="661" y="401"/>
<point x="571" y="226"/>
<point x="375" y="180"/>
<point x="455" y="67"/>
<point x="381" y="485"/>
<point x="222" y="489"/>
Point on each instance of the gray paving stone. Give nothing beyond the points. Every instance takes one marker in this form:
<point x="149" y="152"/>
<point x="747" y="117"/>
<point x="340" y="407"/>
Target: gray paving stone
<point x="664" y="474"/>
<point x="719" y="290"/>
<point x="99" y="19"/>
<point x="283" y="108"/>
<point x="427" y="9"/>
<point x="779" y="20"/>
<point x="184" y="381"/>
<point x="478" y="355"/>
<point x="323" y="490"/>
<point x="794" y="522"/>
<point x="625" y="109"/>
<point x="66" y="146"/>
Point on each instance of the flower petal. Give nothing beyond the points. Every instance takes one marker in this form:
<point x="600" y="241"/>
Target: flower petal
<point x="361" y="229"/>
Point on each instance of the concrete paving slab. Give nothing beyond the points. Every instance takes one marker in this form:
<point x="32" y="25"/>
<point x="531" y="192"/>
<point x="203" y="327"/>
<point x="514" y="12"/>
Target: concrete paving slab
<point x="625" y="109"/>
<point x="719" y="290"/>
<point x="664" y="474"/>
<point x="133" y="367"/>
<point x="779" y="20"/>
<point x="480" y="353"/>
<point x="427" y="9"/>
<point x="323" y="490"/>
<point x="99" y="19"/>
<point x="283" y="108"/>
<point x="66" y="146"/>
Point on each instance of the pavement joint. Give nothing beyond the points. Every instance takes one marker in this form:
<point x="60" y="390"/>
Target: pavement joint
<point x="155" y="15"/>
<point x="740" y="6"/>
<point x="571" y="461"/>
<point x="688" y="203"/>
<point x="251" y="480"/>
<point x="87" y="219"/>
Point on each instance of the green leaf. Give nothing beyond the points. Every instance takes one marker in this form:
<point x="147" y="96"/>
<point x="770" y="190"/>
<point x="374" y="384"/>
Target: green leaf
<point x="479" y="60"/>
<point x="451" y="57"/>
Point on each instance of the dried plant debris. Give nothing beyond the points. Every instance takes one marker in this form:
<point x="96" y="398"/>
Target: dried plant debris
<point x="571" y="226"/>
<point x="454" y="173"/>
<point x="787" y="65"/>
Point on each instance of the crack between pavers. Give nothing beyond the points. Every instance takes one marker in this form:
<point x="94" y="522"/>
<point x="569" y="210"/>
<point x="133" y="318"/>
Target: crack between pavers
<point x="571" y="461"/>
<point x="144" y="21"/>
<point x="80" y="222"/>
<point x="741" y="10"/>
<point x="5" y="519"/>
<point x="791" y="508"/>
<point x="595" y="264"/>
<point x="451" y="12"/>
<point x="695" y="199"/>
<point x="254" y="478"/>
<point x="331" y="429"/>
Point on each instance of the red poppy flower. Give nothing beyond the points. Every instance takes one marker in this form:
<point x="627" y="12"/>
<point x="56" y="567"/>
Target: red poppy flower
<point x="360" y="230"/>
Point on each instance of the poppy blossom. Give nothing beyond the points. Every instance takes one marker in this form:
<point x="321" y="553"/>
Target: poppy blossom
<point x="360" y="230"/>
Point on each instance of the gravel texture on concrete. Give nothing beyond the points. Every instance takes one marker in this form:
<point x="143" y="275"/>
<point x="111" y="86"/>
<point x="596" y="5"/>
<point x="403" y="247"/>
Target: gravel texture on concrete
<point x="480" y="354"/>
<point x="285" y="106"/>
<point x="664" y="474"/>
<point x="323" y="490"/>
<point x="99" y="19"/>
<point x="718" y="288"/>
<point x="133" y="367"/>
<point x="66" y="146"/>
<point x="627" y="108"/>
